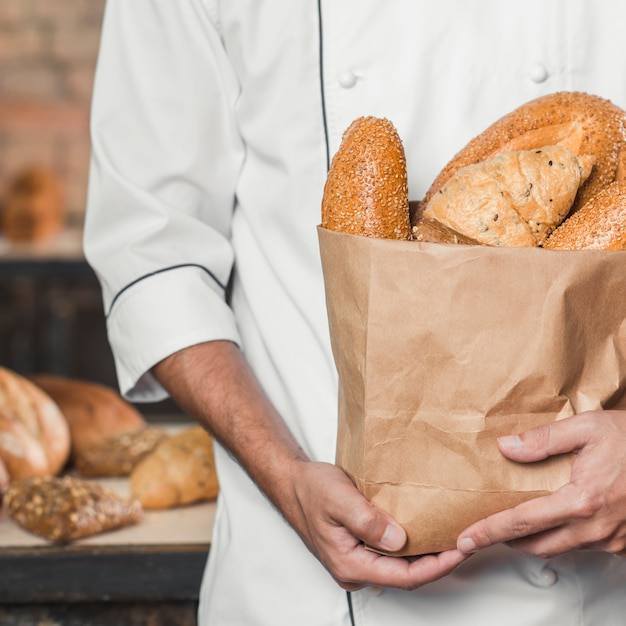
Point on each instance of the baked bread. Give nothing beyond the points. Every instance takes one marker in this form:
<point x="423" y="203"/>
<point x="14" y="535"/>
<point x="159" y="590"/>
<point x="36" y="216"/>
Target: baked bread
<point x="429" y="230"/>
<point x="583" y="123"/>
<point x="181" y="470"/>
<point x="93" y="411"/>
<point x="64" y="509"/>
<point x="4" y="478"/>
<point x="599" y="225"/>
<point x="118" y="454"/>
<point x="34" y="435"/>
<point x="366" y="190"/>
<point x="34" y="209"/>
<point x="516" y="198"/>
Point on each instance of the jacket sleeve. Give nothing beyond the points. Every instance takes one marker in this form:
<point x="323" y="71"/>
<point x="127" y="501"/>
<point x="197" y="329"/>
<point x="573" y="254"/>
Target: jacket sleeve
<point x="165" y="160"/>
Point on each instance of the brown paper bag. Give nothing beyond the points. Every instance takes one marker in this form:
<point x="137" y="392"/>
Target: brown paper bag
<point x="442" y="348"/>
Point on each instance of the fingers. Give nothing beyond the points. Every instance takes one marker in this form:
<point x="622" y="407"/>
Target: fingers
<point x="529" y="518"/>
<point x="375" y="527"/>
<point x="336" y="522"/>
<point x="372" y="569"/>
<point x="560" y="437"/>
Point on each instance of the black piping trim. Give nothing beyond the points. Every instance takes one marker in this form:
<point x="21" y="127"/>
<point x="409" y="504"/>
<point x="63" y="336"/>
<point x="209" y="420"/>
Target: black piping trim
<point x="350" y="609"/>
<point x="165" y="269"/>
<point x="321" y="60"/>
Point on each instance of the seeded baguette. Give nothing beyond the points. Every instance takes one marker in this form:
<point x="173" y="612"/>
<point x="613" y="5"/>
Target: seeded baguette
<point x="366" y="190"/>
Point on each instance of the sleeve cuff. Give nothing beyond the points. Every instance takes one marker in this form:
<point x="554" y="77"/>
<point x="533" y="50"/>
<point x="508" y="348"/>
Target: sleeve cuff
<point x="160" y="315"/>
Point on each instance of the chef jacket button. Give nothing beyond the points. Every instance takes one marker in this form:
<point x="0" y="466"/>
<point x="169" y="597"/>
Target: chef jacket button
<point x="347" y="79"/>
<point x="546" y="577"/>
<point x="538" y="73"/>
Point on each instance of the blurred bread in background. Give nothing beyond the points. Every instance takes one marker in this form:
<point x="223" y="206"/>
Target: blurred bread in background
<point x="33" y="208"/>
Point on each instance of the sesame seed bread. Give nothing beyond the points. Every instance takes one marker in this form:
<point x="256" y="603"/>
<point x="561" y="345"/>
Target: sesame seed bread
<point x="599" y="225"/>
<point x="366" y="190"/>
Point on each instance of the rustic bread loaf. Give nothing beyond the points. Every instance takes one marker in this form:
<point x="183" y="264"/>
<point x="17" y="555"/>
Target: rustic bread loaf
<point x="366" y="190"/>
<point x="64" y="509"/>
<point x="34" y="434"/>
<point x="118" y="454"/>
<point x="583" y="123"/>
<point x="181" y="470"/>
<point x="516" y="198"/>
<point x="93" y="411"/>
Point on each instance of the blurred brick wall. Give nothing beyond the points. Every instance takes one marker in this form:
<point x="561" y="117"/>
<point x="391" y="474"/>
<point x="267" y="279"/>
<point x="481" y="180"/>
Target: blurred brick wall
<point x="48" y="51"/>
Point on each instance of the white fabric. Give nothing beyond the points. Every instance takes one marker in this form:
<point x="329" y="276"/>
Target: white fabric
<point x="209" y="146"/>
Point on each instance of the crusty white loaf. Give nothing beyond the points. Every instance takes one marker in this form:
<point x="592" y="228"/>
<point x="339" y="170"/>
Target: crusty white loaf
<point x="34" y="435"/>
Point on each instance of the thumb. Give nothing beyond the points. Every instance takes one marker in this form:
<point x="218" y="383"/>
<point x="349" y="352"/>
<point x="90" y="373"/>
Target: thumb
<point x="375" y="528"/>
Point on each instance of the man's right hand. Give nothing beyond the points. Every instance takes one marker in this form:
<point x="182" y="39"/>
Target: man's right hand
<point x="213" y="383"/>
<point x="336" y="522"/>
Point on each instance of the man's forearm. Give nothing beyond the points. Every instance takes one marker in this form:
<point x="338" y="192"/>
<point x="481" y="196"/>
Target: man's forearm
<point x="213" y="383"/>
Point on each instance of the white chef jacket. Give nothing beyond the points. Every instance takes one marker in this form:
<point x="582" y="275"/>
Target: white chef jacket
<point x="212" y="125"/>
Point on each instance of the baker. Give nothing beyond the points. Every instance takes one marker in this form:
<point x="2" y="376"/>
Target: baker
<point x="213" y="126"/>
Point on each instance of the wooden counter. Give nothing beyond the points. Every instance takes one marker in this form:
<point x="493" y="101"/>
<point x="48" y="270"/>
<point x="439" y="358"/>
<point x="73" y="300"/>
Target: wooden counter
<point x="146" y="573"/>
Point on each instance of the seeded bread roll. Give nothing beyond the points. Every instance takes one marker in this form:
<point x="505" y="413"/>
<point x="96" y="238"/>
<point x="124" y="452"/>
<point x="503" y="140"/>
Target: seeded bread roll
<point x="366" y="191"/>
<point x="516" y="198"/>
<point x="585" y="124"/>
<point x="64" y="509"/>
<point x="34" y="435"/>
<point x="599" y="225"/>
<point x="93" y="411"/>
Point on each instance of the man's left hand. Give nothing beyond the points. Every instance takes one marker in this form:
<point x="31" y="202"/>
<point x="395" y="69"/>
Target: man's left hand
<point x="588" y="513"/>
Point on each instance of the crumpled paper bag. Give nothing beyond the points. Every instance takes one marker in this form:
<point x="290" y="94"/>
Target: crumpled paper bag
<point x="442" y="348"/>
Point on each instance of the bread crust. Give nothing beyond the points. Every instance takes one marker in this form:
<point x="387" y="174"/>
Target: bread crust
<point x="180" y="470"/>
<point x="599" y="225"/>
<point x="64" y="509"/>
<point x="93" y="411"/>
<point x="583" y="123"/>
<point x="366" y="190"/>
<point x="34" y="435"/>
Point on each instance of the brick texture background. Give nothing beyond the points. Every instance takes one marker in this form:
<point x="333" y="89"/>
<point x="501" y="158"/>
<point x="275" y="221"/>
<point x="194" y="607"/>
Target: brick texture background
<point x="48" y="51"/>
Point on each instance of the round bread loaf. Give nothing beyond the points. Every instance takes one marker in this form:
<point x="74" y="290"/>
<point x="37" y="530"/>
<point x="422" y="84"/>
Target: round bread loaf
<point x="34" y="435"/>
<point x="366" y="190"/>
<point x="584" y="124"/>
<point x="599" y="225"/>
<point x="93" y="411"/>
